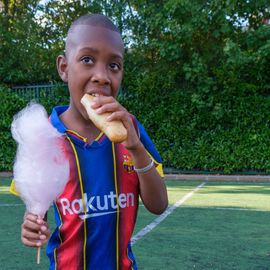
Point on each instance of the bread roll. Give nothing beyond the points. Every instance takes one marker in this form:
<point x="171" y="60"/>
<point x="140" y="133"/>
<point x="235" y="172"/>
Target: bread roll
<point x="114" y="130"/>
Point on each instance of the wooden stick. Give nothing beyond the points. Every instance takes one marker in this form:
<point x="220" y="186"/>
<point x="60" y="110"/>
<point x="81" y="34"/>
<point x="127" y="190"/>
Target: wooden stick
<point x="39" y="248"/>
<point x="38" y="255"/>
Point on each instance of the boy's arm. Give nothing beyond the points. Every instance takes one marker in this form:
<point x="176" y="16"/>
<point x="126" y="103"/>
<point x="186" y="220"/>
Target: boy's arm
<point x="152" y="188"/>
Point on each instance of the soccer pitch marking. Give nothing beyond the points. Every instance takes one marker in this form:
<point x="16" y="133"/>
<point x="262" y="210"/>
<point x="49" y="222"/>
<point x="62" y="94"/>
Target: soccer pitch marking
<point x="159" y="219"/>
<point x="220" y="208"/>
<point x="225" y="208"/>
<point x="11" y="204"/>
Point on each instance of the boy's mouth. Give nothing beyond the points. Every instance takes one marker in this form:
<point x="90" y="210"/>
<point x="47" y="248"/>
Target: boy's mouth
<point x="95" y="93"/>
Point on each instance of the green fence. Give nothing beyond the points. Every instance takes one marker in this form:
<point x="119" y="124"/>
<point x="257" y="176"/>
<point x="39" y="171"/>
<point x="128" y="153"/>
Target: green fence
<point x="37" y="92"/>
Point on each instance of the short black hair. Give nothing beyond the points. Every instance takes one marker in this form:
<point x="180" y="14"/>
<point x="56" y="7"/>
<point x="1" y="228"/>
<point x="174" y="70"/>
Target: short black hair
<point x="95" y="20"/>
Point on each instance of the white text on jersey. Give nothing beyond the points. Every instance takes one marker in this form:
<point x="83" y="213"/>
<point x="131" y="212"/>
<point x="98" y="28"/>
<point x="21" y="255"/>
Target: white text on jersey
<point x="96" y="205"/>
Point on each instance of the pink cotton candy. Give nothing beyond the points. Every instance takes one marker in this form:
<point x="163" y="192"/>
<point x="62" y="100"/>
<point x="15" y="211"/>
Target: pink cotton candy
<point x="41" y="169"/>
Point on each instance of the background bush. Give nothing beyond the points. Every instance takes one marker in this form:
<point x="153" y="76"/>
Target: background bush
<point x="11" y="103"/>
<point x="197" y="74"/>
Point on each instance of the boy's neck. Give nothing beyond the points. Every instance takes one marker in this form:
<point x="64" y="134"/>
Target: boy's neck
<point x="75" y="122"/>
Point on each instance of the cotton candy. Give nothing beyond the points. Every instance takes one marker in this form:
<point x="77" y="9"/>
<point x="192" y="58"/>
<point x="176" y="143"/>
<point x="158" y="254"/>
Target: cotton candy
<point x="41" y="168"/>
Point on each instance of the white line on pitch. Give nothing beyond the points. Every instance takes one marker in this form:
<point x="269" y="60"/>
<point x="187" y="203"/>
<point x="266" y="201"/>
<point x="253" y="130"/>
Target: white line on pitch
<point x="11" y="204"/>
<point x="226" y="208"/>
<point x="156" y="222"/>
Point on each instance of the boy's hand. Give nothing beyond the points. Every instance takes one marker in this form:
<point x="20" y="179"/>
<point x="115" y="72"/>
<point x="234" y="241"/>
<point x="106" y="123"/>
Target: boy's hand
<point x="104" y="104"/>
<point x="35" y="231"/>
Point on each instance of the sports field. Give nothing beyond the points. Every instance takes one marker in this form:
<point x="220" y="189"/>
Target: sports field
<point x="208" y="225"/>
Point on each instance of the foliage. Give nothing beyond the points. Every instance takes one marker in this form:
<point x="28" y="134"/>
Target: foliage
<point x="196" y="72"/>
<point x="204" y="80"/>
<point x="11" y="104"/>
<point x="22" y="61"/>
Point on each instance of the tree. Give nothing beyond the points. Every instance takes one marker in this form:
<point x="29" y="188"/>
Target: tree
<point x="201" y="68"/>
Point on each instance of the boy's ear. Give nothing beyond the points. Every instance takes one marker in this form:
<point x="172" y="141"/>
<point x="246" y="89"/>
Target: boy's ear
<point x="61" y="63"/>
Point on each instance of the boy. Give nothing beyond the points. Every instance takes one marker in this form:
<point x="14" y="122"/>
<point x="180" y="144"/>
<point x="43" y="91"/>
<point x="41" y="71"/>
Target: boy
<point x="96" y="213"/>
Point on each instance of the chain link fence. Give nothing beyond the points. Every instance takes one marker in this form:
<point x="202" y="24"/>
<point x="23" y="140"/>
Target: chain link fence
<point x="37" y="92"/>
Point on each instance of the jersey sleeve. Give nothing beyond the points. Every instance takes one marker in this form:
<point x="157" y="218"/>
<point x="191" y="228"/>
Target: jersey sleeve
<point x="12" y="189"/>
<point x="150" y="147"/>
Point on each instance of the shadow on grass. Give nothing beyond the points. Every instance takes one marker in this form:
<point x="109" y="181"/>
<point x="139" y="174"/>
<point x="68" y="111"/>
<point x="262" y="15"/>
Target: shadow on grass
<point x="260" y="190"/>
<point x="221" y="187"/>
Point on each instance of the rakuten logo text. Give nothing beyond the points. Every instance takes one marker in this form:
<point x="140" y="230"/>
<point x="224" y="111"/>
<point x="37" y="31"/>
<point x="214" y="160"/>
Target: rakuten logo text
<point x="96" y="205"/>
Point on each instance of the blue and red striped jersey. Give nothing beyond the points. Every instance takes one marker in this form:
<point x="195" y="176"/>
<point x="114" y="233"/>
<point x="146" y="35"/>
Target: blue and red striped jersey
<point x="96" y="214"/>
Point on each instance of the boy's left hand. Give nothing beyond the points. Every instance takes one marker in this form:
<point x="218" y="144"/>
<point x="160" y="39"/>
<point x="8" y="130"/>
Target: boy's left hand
<point x="104" y="104"/>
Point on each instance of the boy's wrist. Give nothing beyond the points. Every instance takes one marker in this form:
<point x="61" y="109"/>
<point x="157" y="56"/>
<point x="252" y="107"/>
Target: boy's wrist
<point x="140" y="158"/>
<point x="146" y="168"/>
<point x="138" y="147"/>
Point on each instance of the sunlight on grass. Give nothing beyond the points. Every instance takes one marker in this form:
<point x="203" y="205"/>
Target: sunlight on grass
<point x="241" y="196"/>
<point x="4" y="190"/>
<point x="216" y="194"/>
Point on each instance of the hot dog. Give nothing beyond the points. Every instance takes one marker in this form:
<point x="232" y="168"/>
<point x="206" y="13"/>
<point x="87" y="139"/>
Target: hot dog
<point x="114" y="130"/>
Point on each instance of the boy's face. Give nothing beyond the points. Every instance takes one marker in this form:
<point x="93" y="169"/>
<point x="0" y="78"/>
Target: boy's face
<point x="93" y="63"/>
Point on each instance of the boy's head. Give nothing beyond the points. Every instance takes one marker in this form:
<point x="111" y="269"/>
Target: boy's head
<point x="93" y="60"/>
<point x="95" y="20"/>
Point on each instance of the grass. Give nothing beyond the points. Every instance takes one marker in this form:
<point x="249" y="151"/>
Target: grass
<point x="223" y="226"/>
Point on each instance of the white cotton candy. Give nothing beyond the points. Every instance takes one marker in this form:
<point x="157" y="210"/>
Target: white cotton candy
<point x="41" y="169"/>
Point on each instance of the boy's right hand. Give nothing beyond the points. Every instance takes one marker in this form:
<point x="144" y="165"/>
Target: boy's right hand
<point x="35" y="231"/>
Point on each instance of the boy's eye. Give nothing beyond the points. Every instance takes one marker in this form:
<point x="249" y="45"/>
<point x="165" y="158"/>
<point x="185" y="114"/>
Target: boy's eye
<point x="87" y="60"/>
<point x="115" y="66"/>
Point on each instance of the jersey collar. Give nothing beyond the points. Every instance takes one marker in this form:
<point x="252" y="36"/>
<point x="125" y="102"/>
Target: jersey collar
<point x="55" y="120"/>
<point x="59" y="125"/>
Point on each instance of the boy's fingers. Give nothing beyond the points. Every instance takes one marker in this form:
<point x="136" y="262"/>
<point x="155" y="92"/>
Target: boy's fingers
<point x="31" y="230"/>
<point x="120" y="115"/>
<point x="31" y="235"/>
<point x="43" y="237"/>
<point x="104" y="104"/>
<point x="46" y="231"/>
<point x="109" y="107"/>
<point x="30" y="225"/>
<point x="28" y="243"/>
<point x="35" y="238"/>
<point x="40" y="221"/>
<point x="34" y="218"/>
<point x="101" y="100"/>
<point x="116" y="116"/>
<point x="31" y="243"/>
<point x="30" y="217"/>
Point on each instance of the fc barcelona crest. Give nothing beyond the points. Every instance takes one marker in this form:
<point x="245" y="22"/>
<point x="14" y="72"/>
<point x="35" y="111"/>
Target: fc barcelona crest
<point x="128" y="164"/>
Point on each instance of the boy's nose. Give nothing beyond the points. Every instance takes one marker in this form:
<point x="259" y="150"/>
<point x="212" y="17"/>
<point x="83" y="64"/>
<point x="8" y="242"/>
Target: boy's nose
<point x="100" y="75"/>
